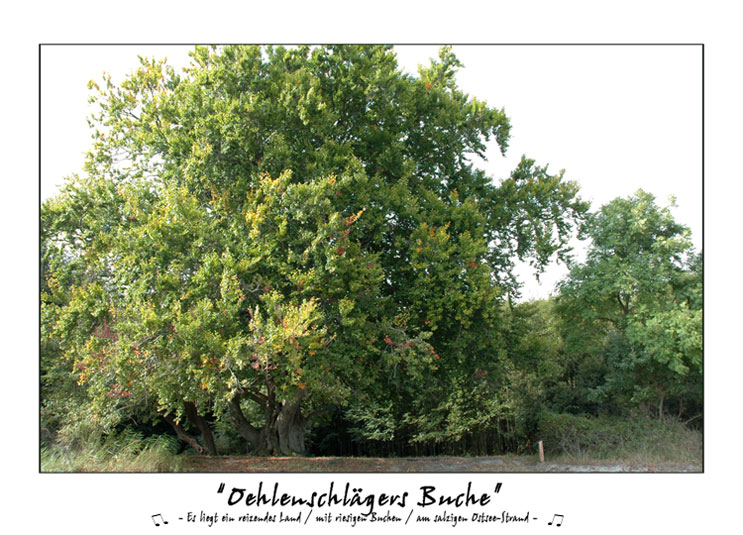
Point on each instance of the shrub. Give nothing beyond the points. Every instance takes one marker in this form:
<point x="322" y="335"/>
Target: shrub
<point x="636" y="438"/>
<point x="127" y="451"/>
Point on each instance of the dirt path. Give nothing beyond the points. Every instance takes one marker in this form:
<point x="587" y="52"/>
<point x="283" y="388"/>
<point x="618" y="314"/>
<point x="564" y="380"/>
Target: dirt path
<point x="417" y="464"/>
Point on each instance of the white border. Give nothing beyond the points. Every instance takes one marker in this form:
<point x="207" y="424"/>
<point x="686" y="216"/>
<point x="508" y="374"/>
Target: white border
<point x="605" y="503"/>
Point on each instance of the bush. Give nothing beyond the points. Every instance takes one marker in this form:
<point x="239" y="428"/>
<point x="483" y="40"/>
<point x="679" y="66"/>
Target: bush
<point x="127" y="451"/>
<point x="603" y="437"/>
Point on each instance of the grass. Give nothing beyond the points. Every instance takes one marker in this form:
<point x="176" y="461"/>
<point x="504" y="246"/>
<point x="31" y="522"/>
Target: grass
<point x="573" y="438"/>
<point x="123" y="452"/>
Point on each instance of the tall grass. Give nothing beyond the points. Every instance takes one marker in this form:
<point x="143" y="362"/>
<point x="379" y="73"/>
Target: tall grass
<point x="127" y="451"/>
<point x="641" y="439"/>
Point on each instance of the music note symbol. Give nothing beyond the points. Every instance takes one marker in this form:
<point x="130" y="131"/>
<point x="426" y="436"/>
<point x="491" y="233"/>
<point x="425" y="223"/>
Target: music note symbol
<point x="559" y="523"/>
<point x="161" y="518"/>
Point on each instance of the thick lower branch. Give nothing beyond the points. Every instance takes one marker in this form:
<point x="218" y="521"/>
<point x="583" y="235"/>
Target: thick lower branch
<point x="259" y="398"/>
<point x="183" y="435"/>
<point x="246" y="430"/>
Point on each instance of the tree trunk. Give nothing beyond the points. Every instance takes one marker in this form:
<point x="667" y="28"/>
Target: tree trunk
<point x="202" y="425"/>
<point x="291" y="425"/>
<point x="183" y="435"/>
<point x="296" y="434"/>
<point x="283" y="433"/>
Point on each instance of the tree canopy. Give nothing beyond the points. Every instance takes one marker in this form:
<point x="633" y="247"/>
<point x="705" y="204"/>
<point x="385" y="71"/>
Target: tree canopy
<point x="279" y="230"/>
<point x="638" y="297"/>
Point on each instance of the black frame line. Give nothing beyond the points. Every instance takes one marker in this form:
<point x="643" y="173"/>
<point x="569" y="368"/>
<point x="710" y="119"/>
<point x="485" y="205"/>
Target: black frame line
<point x="615" y="44"/>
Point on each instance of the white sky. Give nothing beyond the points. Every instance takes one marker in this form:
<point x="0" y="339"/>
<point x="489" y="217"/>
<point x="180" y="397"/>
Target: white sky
<point x="616" y="118"/>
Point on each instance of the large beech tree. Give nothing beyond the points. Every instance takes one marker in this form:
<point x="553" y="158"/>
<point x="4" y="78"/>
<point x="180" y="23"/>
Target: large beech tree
<point x="276" y="229"/>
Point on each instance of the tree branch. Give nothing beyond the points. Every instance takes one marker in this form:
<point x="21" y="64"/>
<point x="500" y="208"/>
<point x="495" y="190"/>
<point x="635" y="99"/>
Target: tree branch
<point x="183" y="435"/>
<point x="243" y="426"/>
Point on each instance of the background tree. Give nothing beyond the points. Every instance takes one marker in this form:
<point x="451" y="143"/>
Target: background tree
<point x="638" y="297"/>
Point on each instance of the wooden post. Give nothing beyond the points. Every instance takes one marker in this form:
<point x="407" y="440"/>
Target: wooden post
<point x="541" y="451"/>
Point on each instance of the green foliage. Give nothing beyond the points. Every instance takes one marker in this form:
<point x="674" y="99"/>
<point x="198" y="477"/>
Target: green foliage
<point x="636" y="302"/>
